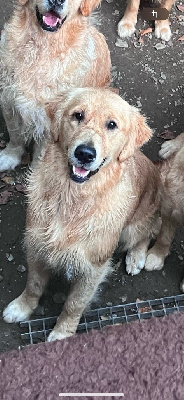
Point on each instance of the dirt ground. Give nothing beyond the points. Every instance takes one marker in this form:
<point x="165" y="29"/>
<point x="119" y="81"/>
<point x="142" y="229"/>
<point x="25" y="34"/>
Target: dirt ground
<point x="151" y="79"/>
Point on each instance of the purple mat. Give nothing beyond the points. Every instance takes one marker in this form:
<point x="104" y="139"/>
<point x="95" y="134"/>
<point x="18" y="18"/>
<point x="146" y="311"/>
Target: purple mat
<point x="144" y="360"/>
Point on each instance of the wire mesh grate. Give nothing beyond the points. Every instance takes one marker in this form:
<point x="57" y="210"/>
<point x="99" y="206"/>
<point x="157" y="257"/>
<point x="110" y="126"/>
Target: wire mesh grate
<point x="37" y="330"/>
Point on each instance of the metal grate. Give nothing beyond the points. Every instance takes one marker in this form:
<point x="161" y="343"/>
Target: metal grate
<point x="37" y="330"/>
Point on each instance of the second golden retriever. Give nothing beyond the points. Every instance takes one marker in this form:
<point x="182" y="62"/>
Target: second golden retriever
<point x="172" y="173"/>
<point x="47" y="46"/>
<point x="92" y="190"/>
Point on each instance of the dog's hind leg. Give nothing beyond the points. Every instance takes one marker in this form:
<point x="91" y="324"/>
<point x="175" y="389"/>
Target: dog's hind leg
<point x="22" y="307"/>
<point x="81" y="292"/>
<point x="136" y="257"/>
<point x="11" y="156"/>
<point x="136" y="239"/>
<point x="157" y="254"/>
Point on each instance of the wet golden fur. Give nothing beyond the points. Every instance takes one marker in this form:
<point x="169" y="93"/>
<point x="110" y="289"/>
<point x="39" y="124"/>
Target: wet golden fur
<point x="127" y="25"/>
<point x="75" y="227"/>
<point x="36" y="65"/>
<point x="172" y="174"/>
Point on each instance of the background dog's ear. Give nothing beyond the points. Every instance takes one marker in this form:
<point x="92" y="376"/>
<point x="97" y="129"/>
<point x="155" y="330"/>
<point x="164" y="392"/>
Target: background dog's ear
<point x="139" y="134"/>
<point x="22" y="2"/>
<point x="87" y="6"/>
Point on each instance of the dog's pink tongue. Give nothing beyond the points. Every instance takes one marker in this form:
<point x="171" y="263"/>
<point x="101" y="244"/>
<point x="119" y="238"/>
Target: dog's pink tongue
<point x="51" y="19"/>
<point x="80" y="171"/>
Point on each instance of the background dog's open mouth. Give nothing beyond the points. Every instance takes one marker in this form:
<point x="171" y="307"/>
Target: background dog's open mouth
<point x="80" y="174"/>
<point x="51" y="21"/>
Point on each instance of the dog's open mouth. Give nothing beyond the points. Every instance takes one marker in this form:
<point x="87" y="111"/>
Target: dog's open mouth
<point x="80" y="174"/>
<point x="50" y="21"/>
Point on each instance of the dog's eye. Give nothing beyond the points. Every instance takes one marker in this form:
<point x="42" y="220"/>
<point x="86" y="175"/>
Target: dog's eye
<point x="111" y="125"/>
<point x="79" y="116"/>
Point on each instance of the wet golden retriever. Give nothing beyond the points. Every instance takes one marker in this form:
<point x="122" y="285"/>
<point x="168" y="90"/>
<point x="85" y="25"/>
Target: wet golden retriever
<point x="172" y="174"/>
<point x="127" y="25"/>
<point x="47" y="46"/>
<point x="92" y="190"/>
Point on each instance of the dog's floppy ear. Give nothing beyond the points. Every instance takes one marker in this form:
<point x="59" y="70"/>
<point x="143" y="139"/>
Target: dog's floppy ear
<point x="51" y="110"/>
<point x="139" y="133"/>
<point x="87" y="6"/>
<point x="22" y="2"/>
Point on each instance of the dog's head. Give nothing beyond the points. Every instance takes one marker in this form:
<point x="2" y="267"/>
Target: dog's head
<point x="51" y="14"/>
<point x="95" y="127"/>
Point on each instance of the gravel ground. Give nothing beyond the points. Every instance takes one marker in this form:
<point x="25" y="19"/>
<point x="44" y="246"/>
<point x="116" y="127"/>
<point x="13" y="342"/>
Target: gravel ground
<point x="150" y="77"/>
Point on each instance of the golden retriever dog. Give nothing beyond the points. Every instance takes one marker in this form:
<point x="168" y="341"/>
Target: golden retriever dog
<point x="127" y="25"/>
<point x="47" y="46"/>
<point x="92" y="190"/>
<point x="172" y="174"/>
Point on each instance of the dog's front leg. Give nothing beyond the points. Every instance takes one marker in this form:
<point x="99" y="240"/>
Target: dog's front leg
<point x="162" y="28"/>
<point x="22" y="307"/>
<point x="126" y="26"/>
<point x="11" y="156"/>
<point x="81" y="292"/>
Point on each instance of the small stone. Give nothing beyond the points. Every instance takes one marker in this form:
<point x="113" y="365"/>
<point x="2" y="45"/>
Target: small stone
<point x="116" y="12"/>
<point x="123" y="281"/>
<point x="137" y="44"/>
<point x="161" y="81"/>
<point x="1" y="278"/>
<point x="139" y="104"/>
<point x="121" y="43"/>
<point x="177" y="103"/>
<point x="180" y="258"/>
<point x="21" y="268"/>
<point x="109" y="304"/>
<point x="109" y="1"/>
<point x="59" y="298"/>
<point x="9" y="257"/>
<point x="155" y="79"/>
<point x="163" y="76"/>
<point x="160" y="46"/>
<point x="123" y="299"/>
<point x="163" y="273"/>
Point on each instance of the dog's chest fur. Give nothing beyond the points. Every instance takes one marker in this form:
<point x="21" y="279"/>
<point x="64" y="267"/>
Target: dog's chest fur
<point x="71" y="225"/>
<point x="39" y="65"/>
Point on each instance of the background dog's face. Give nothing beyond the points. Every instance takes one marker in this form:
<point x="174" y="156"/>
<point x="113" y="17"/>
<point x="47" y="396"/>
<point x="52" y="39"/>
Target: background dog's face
<point x="51" y="14"/>
<point x="96" y="127"/>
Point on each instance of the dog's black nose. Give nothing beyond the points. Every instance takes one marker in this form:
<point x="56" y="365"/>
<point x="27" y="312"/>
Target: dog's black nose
<point x="56" y="3"/>
<point x="85" y="154"/>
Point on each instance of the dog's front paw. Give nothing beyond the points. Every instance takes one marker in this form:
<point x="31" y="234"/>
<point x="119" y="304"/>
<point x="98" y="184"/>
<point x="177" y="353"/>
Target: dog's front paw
<point x="58" y="335"/>
<point x="16" y="311"/>
<point x="154" y="262"/>
<point x="162" y="30"/>
<point x="8" y="161"/>
<point x="125" y="28"/>
<point x="135" y="262"/>
<point x="168" y="148"/>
